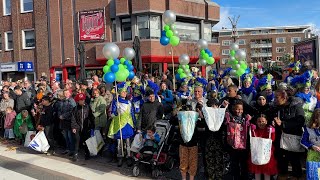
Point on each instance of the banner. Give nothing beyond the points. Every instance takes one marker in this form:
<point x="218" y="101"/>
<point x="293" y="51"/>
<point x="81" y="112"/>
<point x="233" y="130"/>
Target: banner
<point x="91" y="25"/>
<point x="305" y="51"/>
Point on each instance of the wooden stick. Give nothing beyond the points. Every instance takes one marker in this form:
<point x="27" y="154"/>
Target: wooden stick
<point x="121" y="140"/>
<point x="174" y="77"/>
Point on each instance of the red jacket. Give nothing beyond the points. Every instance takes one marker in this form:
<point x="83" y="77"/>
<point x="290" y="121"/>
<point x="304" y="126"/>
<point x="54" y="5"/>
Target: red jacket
<point x="9" y="120"/>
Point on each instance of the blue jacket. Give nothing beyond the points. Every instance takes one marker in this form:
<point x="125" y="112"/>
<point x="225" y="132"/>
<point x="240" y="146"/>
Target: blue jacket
<point x="168" y="97"/>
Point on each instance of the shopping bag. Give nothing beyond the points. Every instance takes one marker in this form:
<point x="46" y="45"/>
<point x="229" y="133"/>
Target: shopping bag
<point x="187" y="122"/>
<point x="214" y="117"/>
<point x="291" y="142"/>
<point x="29" y="136"/>
<point x="39" y="142"/>
<point x="260" y="149"/>
<point x="95" y="143"/>
<point x="137" y="143"/>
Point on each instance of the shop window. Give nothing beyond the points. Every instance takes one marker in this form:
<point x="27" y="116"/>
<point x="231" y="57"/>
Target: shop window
<point x="26" y="6"/>
<point x="207" y="29"/>
<point x="188" y="31"/>
<point x="126" y="29"/>
<point x="28" y="39"/>
<point x="6" y="7"/>
<point x="9" y="41"/>
<point x="143" y="26"/>
<point x="114" y="30"/>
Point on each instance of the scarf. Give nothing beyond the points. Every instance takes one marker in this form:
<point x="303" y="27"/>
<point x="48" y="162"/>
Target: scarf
<point x="135" y="99"/>
<point x="248" y="91"/>
<point x="305" y="97"/>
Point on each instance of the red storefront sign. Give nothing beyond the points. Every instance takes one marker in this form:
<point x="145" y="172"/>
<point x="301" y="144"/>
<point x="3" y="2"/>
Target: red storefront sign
<point x="91" y="25"/>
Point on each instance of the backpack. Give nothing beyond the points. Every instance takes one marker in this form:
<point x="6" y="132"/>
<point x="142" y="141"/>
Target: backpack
<point x="237" y="133"/>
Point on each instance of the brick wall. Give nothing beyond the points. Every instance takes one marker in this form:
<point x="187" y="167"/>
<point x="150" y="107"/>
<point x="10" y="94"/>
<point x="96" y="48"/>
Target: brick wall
<point x="188" y="8"/>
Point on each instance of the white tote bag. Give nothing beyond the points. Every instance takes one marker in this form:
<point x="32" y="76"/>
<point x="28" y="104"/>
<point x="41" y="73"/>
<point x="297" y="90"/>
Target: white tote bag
<point x="39" y="142"/>
<point x="95" y="143"/>
<point x="29" y="136"/>
<point x="137" y="143"/>
<point x="214" y="117"/>
<point x="260" y="149"/>
<point x="187" y="122"/>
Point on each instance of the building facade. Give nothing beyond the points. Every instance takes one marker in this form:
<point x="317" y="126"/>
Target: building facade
<point x="47" y="33"/>
<point x="262" y="44"/>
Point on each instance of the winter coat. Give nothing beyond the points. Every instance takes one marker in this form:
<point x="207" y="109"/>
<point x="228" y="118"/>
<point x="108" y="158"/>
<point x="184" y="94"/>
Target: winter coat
<point x="82" y="118"/>
<point x="6" y="103"/>
<point x="22" y="102"/>
<point x="19" y="122"/>
<point x="47" y="116"/>
<point x="65" y="108"/>
<point x="9" y="120"/>
<point x="150" y="112"/>
<point x="98" y="107"/>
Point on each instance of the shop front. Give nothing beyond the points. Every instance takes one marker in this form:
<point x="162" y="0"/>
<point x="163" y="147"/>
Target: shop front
<point x="18" y="71"/>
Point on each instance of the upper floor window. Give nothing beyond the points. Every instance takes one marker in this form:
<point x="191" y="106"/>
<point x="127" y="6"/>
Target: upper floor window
<point x="8" y="41"/>
<point x="28" y="39"/>
<point x="188" y="31"/>
<point x="279" y="30"/>
<point x="149" y="27"/>
<point x="26" y="6"/>
<point x="242" y="42"/>
<point x="126" y="32"/>
<point x="240" y="33"/>
<point x="265" y="31"/>
<point x="114" y="30"/>
<point x="295" y="39"/>
<point x="225" y="33"/>
<point x="281" y="49"/>
<point x="207" y="32"/>
<point x="255" y="32"/>
<point x="6" y="7"/>
<point x="225" y="52"/>
<point x="226" y="43"/>
<point x="0" y="42"/>
<point x="281" y="40"/>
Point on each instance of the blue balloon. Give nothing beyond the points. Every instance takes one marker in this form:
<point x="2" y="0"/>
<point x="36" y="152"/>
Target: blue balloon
<point x="163" y="33"/>
<point x="164" y="40"/>
<point x="247" y="70"/>
<point x="109" y="77"/>
<point x="207" y="51"/>
<point x="114" y="68"/>
<point x="131" y="75"/>
<point x="178" y="77"/>
<point x="210" y="54"/>
<point x="130" y="67"/>
<point x="126" y="63"/>
<point x="116" y="61"/>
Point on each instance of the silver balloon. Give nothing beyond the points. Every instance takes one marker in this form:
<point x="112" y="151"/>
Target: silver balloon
<point x="237" y="66"/>
<point x="202" y="62"/>
<point x="233" y="72"/>
<point x="241" y="55"/>
<point x="111" y="51"/>
<point x="202" y="44"/>
<point x="232" y="58"/>
<point x="172" y="27"/>
<point x="169" y="17"/>
<point x="189" y="74"/>
<point x="187" y="71"/>
<point x="184" y="59"/>
<point x="234" y="46"/>
<point x="129" y="53"/>
<point x="176" y="32"/>
<point x="183" y="67"/>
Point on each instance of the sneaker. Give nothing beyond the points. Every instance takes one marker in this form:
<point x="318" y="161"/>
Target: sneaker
<point x="75" y="157"/>
<point x="65" y="152"/>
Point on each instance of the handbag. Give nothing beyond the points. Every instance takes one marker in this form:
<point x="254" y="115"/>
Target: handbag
<point x="291" y="142"/>
<point x="260" y="149"/>
<point x="214" y="117"/>
<point x="236" y="133"/>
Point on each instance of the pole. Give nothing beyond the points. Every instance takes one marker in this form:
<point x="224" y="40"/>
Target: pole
<point x="121" y="140"/>
<point x="174" y="77"/>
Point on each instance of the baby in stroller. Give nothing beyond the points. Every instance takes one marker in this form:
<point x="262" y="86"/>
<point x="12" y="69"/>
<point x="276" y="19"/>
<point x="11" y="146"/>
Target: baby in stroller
<point x="150" y="143"/>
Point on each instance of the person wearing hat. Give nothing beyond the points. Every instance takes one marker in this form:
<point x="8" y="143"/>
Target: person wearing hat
<point x="46" y="122"/>
<point x="183" y="92"/>
<point x="247" y="91"/>
<point x="265" y="86"/>
<point x="84" y="86"/>
<point x="81" y="124"/>
<point x="122" y="124"/>
<point x="137" y="102"/>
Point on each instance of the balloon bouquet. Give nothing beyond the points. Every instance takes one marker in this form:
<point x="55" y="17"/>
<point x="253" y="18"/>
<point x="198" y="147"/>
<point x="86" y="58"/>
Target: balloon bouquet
<point x="205" y="54"/>
<point x="169" y="34"/>
<point x="184" y="69"/>
<point x="237" y="61"/>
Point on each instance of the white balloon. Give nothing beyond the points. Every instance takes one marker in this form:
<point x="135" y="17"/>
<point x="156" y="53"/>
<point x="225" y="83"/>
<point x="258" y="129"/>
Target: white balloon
<point x="202" y="44"/>
<point x="237" y="66"/>
<point x="129" y="53"/>
<point x="260" y="71"/>
<point x="234" y="46"/>
<point x="169" y="17"/>
<point x="184" y="59"/>
<point x="187" y="71"/>
<point x="240" y="55"/>
<point x="233" y="72"/>
<point x="111" y="51"/>
<point x="202" y="62"/>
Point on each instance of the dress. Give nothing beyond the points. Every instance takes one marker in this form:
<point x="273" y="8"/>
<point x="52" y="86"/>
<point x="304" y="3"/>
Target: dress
<point x="271" y="167"/>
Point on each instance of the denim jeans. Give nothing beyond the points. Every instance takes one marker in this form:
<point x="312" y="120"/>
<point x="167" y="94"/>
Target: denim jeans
<point x="48" y="130"/>
<point x="67" y="134"/>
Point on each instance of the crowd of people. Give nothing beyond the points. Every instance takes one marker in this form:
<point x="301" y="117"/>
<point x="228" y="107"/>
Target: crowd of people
<point x="257" y="104"/>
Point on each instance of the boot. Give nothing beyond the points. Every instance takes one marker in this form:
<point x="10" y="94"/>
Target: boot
<point x="120" y="161"/>
<point x="75" y="157"/>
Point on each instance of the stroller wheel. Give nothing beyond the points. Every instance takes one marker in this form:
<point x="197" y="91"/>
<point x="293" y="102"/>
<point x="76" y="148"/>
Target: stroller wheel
<point x="170" y="163"/>
<point x="136" y="171"/>
<point x="155" y="173"/>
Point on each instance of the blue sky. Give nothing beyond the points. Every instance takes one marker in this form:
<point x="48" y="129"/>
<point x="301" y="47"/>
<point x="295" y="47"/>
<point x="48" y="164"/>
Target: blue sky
<point x="259" y="13"/>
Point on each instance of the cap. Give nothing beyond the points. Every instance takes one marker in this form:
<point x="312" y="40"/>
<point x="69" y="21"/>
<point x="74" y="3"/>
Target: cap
<point x="79" y="97"/>
<point x="84" y="82"/>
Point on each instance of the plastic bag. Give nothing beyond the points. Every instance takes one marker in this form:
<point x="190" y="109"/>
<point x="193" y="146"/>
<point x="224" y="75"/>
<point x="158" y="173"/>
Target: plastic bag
<point x="260" y="149"/>
<point x="39" y="142"/>
<point x="95" y="143"/>
<point x="29" y="136"/>
<point x="137" y="143"/>
<point x="187" y="122"/>
<point x="214" y="117"/>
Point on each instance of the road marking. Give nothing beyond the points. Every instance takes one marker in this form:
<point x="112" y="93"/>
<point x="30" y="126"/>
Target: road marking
<point x="7" y="174"/>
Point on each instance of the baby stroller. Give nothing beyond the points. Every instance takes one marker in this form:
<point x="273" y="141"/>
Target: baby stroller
<point x="162" y="159"/>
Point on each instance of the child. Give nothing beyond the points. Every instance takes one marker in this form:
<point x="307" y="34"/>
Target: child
<point x="8" y="123"/>
<point x="150" y="142"/>
<point x="311" y="141"/>
<point x="263" y="130"/>
<point x="237" y="129"/>
<point x="22" y="125"/>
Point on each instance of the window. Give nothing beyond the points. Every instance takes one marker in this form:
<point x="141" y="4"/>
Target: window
<point x="225" y="60"/>
<point x="28" y="39"/>
<point x="26" y="6"/>
<point x="143" y="26"/>
<point x="207" y="35"/>
<point x="9" y="41"/>
<point x="226" y="43"/>
<point x="126" y="29"/>
<point x="242" y="42"/>
<point x="279" y="58"/>
<point x="188" y="31"/>
<point x="295" y="39"/>
<point x="265" y="31"/>
<point x="254" y="32"/>
<point x="279" y="30"/>
<point x="225" y="33"/>
<point x="155" y="27"/>
<point x="225" y="52"/>
<point x="240" y="33"/>
<point x="281" y="40"/>
<point x="6" y="7"/>
<point x="0" y="42"/>
<point x="281" y="49"/>
<point x="114" y="30"/>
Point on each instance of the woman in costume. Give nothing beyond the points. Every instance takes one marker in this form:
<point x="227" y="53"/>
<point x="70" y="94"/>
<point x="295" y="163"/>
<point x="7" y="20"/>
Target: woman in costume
<point x="247" y="91"/>
<point x="265" y="86"/>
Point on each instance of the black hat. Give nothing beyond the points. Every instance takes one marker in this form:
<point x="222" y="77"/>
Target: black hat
<point x="84" y="82"/>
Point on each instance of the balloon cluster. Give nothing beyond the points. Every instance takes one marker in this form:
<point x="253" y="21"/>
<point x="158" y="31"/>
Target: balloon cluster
<point x="169" y="34"/>
<point x="184" y="69"/>
<point x="115" y="69"/>
<point x="237" y="61"/>
<point x="205" y="54"/>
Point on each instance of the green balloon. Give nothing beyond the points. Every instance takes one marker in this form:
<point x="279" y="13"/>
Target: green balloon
<point x="174" y="41"/>
<point x="187" y="66"/>
<point x="210" y="61"/>
<point x="202" y="52"/>
<point x="240" y="72"/>
<point x="126" y="72"/>
<point x="243" y="66"/>
<point x="180" y="66"/>
<point x="232" y="53"/>
<point x="205" y="56"/>
<point x="121" y="76"/>
<point x="234" y="66"/>
<point x="130" y="62"/>
<point x="121" y="66"/>
<point x="122" y="60"/>
<point x="166" y="27"/>
<point x="180" y="71"/>
<point x="235" y="62"/>
<point x="106" y="69"/>
<point x="183" y="66"/>
<point x="169" y="33"/>
<point x="110" y="62"/>
<point x="183" y="75"/>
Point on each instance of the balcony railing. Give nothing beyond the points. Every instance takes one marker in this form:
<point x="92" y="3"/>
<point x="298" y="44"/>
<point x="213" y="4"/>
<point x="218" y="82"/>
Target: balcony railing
<point x="261" y="55"/>
<point x="266" y="45"/>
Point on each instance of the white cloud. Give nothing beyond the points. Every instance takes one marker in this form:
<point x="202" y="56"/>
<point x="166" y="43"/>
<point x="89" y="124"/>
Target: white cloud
<point x="314" y="29"/>
<point x="224" y="21"/>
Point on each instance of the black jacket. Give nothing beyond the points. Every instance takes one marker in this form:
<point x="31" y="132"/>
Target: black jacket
<point x="150" y="112"/>
<point x="247" y="109"/>
<point x="22" y="102"/>
<point x="47" y="116"/>
<point x="65" y="108"/>
<point x="82" y="118"/>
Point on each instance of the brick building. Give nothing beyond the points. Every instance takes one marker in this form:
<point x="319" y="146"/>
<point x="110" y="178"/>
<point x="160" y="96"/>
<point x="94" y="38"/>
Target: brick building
<point x="46" y="33"/>
<point x="263" y="43"/>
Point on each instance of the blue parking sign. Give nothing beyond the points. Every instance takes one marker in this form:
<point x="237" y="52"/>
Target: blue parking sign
<point x="25" y="66"/>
